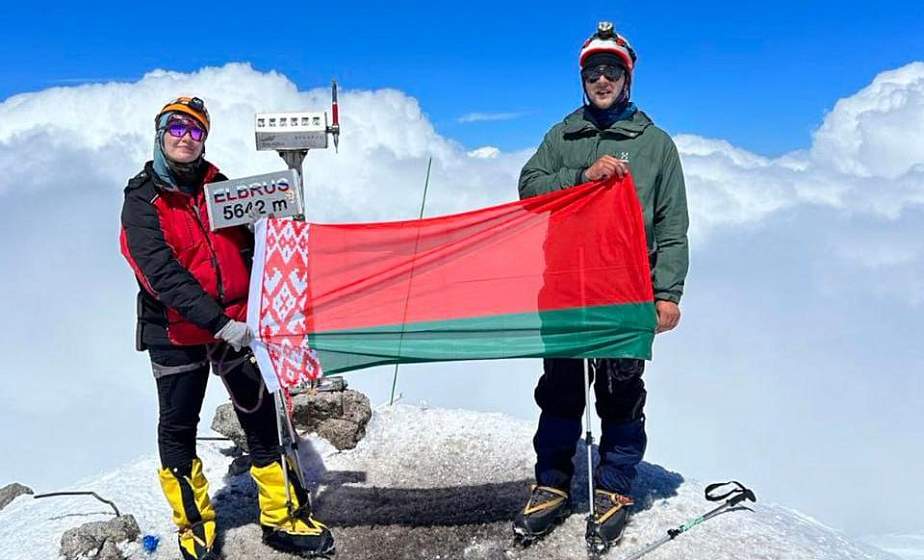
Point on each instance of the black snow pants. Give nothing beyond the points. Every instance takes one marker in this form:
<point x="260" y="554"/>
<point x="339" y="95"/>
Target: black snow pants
<point x="620" y="402"/>
<point x="181" y="373"/>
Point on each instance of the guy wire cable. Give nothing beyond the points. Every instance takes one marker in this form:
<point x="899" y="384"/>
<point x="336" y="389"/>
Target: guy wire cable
<point x="423" y="203"/>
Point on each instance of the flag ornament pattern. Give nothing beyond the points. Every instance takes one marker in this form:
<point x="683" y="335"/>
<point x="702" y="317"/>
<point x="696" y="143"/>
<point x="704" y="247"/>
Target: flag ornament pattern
<point x="564" y="274"/>
<point x="281" y="288"/>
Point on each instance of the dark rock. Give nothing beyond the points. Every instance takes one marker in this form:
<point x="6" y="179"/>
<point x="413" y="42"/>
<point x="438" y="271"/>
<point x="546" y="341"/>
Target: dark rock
<point x="91" y="538"/>
<point x="110" y="552"/>
<point x="309" y="410"/>
<point x="239" y="465"/>
<point x="11" y="491"/>
<point x="226" y="424"/>
<point x="356" y="409"/>
<point x="339" y="417"/>
<point x="342" y="434"/>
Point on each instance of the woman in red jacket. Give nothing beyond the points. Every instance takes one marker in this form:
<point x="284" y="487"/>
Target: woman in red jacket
<point x="192" y="304"/>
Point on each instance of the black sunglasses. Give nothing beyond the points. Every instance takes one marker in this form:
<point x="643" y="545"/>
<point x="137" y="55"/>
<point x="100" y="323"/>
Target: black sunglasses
<point x="611" y="73"/>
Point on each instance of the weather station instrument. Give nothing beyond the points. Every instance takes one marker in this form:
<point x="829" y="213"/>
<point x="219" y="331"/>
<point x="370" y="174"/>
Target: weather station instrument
<point x="280" y="194"/>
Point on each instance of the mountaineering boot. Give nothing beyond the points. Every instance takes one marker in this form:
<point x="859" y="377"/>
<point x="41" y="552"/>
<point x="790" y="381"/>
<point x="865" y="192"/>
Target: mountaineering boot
<point x="289" y="526"/>
<point x="611" y="513"/>
<point x="188" y="496"/>
<point x="546" y="508"/>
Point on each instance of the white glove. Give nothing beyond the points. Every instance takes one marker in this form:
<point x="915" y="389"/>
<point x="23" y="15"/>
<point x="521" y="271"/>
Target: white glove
<point x="236" y="333"/>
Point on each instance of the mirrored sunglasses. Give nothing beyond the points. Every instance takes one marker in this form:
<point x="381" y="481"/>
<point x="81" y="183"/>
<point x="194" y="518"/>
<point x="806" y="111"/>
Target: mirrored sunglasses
<point x="179" y="129"/>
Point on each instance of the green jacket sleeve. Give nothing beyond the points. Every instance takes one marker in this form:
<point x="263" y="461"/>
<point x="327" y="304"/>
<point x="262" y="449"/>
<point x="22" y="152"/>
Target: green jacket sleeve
<point x="670" y="229"/>
<point x="544" y="172"/>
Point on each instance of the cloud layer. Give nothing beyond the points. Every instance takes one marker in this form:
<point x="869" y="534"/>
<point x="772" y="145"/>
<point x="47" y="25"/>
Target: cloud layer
<point x="866" y="157"/>
<point x="378" y="173"/>
<point x="806" y="279"/>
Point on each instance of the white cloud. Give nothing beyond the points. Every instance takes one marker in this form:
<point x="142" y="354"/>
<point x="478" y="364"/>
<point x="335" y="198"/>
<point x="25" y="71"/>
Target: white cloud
<point x="384" y="147"/>
<point x="485" y="152"/>
<point x="863" y="173"/>
<point x="867" y="157"/>
<point x="488" y="117"/>
<point x="879" y="131"/>
<point x="832" y="231"/>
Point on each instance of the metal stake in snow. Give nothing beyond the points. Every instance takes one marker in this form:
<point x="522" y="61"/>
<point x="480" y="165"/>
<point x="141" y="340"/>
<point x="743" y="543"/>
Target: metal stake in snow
<point x="736" y="495"/>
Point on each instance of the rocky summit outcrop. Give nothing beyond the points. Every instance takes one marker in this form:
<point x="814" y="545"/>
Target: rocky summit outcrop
<point x="340" y="417"/>
<point x="11" y="491"/>
<point x="99" y="539"/>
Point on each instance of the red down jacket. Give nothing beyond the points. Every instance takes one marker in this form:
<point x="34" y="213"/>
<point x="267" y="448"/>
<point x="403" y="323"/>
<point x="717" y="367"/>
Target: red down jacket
<point x="193" y="281"/>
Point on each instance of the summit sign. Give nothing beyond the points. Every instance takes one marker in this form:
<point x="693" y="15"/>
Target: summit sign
<point x="246" y="200"/>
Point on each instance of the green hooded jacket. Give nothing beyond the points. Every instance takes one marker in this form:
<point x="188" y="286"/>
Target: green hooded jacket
<point x="576" y="143"/>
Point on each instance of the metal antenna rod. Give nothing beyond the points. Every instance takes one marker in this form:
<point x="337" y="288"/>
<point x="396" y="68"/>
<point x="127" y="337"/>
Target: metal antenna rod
<point x="423" y="203"/>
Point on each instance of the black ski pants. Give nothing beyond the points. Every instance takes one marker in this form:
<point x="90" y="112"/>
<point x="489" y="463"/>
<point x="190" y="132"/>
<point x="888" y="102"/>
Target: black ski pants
<point x="182" y="373"/>
<point x="620" y="402"/>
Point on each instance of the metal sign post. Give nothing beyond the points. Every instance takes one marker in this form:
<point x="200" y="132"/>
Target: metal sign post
<point x="291" y="135"/>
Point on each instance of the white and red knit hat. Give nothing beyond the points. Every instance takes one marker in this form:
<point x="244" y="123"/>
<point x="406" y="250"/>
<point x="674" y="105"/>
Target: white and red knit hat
<point x="607" y="47"/>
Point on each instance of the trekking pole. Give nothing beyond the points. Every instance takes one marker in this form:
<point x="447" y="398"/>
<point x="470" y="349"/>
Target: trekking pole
<point x="295" y="439"/>
<point x="736" y="495"/>
<point x="588" y="428"/>
<point x="283" y="447"/>
<point x="589" y="439"/>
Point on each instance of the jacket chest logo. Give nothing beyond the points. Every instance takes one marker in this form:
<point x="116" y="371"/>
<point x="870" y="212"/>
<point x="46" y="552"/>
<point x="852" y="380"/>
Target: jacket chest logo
<point x="624" y="156"/>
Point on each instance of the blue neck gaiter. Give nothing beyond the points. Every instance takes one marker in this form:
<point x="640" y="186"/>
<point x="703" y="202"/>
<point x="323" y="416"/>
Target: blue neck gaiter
<point x="605" y="118"/>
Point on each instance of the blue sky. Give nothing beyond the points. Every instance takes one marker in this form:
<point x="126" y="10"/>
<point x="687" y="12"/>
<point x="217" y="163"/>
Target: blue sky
<point x="716" y="69"/>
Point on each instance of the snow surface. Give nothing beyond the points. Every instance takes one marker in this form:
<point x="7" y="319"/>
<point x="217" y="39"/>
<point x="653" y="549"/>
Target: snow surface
<point x="907" y="547"/>
<point x="429" y="484"/>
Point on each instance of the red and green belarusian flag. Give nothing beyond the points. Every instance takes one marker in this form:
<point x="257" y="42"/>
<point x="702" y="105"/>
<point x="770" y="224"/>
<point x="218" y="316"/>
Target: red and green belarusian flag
<point x="560" y="275"/>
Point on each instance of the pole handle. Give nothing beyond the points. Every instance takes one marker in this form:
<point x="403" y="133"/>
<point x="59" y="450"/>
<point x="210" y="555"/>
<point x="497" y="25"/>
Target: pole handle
<point x="736" y="494"/>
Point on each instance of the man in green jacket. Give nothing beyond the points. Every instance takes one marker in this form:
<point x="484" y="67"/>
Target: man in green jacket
<point x="607" y="137"/>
